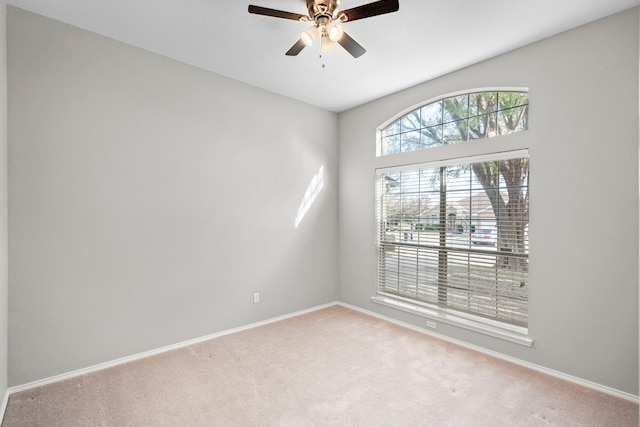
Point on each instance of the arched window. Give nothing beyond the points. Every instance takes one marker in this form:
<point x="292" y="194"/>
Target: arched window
<point x="455" y="119"/>
<point x="453" y="234"/>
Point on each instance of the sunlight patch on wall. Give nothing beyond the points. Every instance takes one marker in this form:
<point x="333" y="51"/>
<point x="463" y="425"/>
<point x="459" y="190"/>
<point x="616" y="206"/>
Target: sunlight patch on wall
<point x="314" y="188"/>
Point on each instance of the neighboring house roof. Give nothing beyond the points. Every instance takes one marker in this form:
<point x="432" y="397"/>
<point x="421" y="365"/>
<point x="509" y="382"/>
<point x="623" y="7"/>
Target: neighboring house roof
<point x="477" y="205"/>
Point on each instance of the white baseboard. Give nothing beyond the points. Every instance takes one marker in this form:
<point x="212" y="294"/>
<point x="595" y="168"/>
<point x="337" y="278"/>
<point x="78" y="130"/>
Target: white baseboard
<point x="127" y="359"/>
<point x="599" y="387"/>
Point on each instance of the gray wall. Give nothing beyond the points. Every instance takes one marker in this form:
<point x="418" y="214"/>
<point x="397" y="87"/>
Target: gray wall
<point x="3" y="200"/>
<point x="150" y="199"/>
<point x="583" y="142"/>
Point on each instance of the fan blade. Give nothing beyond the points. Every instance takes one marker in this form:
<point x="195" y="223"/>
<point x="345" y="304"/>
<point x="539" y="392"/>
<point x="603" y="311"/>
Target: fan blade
<point x="296" y="48"/>
<point x="351" y="45"/>
<point x="259" y="10"/>
<point x="372" y="9"/>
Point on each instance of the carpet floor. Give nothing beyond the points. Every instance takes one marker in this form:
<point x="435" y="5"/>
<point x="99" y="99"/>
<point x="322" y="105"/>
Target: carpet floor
<point x="331" y="367"/>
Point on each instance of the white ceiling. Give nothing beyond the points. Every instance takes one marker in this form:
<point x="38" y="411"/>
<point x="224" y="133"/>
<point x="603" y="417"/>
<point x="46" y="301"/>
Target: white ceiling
<point x="423" y="40"/>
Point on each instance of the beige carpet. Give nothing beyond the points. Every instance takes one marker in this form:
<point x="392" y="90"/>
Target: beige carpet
<point x="332" y="367"/>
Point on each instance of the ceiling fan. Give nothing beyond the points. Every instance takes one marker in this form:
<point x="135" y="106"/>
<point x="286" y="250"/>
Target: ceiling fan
<point x="326" y="23"/>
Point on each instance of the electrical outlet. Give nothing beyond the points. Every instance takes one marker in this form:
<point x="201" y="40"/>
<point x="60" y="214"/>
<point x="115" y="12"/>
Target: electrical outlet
<point x="431" y="324"/>
<point x="256" y="297"/>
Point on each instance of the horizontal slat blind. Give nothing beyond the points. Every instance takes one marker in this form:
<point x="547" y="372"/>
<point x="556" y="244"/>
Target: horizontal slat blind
<point x="456" y="237"/>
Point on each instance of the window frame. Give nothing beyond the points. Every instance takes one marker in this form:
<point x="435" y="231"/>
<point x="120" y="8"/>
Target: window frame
<point x="446" y="155"/>
<point x="406" y="111"/>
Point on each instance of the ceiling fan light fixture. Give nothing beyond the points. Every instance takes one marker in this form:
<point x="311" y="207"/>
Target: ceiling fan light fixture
<point x="328" y="22"/>
<point x="308" y="36"/>
<point x="334" y="30"/>
<point x="326" y="45"/>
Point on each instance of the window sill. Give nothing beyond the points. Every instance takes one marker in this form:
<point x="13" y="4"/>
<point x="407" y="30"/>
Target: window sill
<point x="514" y="334"/>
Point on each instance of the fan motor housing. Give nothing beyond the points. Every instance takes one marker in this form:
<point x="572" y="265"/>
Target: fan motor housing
<point x="321" y="8"/>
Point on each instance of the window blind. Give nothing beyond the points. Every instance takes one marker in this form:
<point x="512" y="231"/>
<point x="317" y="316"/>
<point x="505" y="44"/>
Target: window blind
<point x="455" y="236"/>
